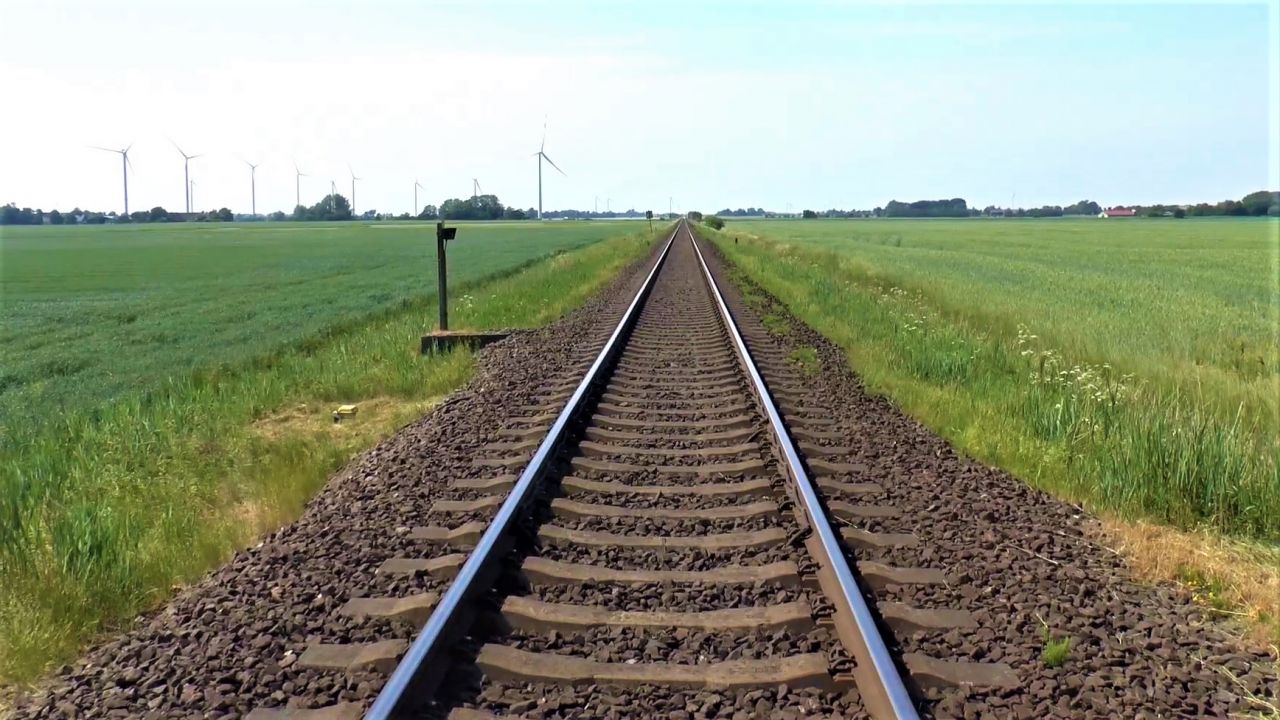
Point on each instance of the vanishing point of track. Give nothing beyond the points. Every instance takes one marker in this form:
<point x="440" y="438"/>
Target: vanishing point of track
<point x="662" y="522"/>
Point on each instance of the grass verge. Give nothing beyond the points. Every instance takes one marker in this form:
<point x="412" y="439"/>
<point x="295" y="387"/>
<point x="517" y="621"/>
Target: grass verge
<point x="1123" y="445"/>
<point x="103" y="513"/>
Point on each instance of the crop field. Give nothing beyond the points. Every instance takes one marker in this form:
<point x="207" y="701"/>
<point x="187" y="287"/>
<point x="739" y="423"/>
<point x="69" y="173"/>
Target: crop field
<point x="1131" y="364"/>
<point x="91" y="313"/>
<point x="167" y="389"/>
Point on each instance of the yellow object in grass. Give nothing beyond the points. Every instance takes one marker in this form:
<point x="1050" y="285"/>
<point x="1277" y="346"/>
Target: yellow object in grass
<point x="344" y="411"/>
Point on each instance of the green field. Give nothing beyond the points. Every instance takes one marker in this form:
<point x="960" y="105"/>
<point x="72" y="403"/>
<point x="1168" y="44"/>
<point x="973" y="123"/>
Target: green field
<point x="167" y="389"/>
<point x="1132" y="365"/>
<point x="91" y="313"/>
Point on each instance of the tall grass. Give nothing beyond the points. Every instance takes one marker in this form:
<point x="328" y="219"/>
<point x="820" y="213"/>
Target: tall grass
<point x="103" y="511"/>
<point x="1116" y="435"/>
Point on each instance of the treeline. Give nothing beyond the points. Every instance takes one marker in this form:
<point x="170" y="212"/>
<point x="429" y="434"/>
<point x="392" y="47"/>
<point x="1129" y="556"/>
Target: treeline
<point x="1084" y="207"/>
<point x="591" y="214"/>
<point x="955" y="207"/>
<point x="330" y="208"/>
<point x="1259" y="203"/>
<point x="834" y="213"/>
<point x="488" y="207"/>
<point x="12" y="215"/>
<point x="480" y="207"/>
<point x="749" y="212"/>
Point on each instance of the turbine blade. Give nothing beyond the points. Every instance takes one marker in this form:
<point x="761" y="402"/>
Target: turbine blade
<point x="543" y="146"/>
<point x="557" y="167"/>
<point x="99" y="147"/>
<point x="179" y="148"/>
<point x="126" y="150"/>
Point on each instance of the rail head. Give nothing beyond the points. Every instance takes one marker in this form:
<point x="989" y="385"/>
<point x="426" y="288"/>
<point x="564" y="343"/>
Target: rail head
<point x="894" y="699"/>
<point x="409" y="685"/>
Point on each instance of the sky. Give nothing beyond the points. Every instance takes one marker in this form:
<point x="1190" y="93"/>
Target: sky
<point x="651" y="105"/>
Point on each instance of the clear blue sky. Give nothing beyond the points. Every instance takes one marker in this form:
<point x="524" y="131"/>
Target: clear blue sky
<point x="711" y="104"/>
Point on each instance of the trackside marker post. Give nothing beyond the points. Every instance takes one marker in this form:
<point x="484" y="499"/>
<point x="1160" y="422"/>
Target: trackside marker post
<point x="442" y="339"/>
<point x="443" y="236"/>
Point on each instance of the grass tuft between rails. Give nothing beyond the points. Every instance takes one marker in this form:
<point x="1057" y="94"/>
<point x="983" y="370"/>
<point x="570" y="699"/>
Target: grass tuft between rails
<point x="103" y="512"/>
<point x="1186" y="447"/>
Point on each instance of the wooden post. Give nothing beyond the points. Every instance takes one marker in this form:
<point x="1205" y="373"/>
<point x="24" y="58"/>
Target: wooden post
<point x="442" y="274"/>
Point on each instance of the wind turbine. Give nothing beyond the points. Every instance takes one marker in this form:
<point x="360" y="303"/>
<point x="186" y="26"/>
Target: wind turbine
<point x="475" y="188"/>
<point x="543" y="156"/>
<point x="353" y="189"/>
<point x="125" y="164"/>
<point x="253" y="187"/>
<point x="297" y="184"/>
<point x="191" y="193"/>
<point x="416" y="185"/>
<point x="186" y="171"/>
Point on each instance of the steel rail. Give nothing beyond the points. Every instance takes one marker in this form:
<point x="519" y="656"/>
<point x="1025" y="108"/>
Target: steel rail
<point x="888" y="679"/>
<point x="409" y="687"/>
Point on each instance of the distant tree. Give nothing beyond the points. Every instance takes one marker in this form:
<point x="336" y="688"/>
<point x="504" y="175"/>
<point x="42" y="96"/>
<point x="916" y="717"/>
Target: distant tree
<point x="277" y="216"/>
<point x="713" y="222"/>
<point x="158" y="214"/>
<point x="55" y="218"/>
<point x="512" y="213"/>
<point x="331" y="207"/>
<point x="1179" y="213"/>
<point x="955" y="207"/>
<point x="1084" y="207"/>
<point x="225" y="215"/>
<point x="808" y="214"/>
<point x="480" y="207"/>
<point x="1261" y="202"/>
<point x="334" y="207"/>
<point x="695" y="216"/>
<point x="429" y="212"/>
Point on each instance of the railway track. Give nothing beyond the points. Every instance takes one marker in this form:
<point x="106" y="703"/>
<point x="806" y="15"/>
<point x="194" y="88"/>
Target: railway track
<point x="662" y="533"/>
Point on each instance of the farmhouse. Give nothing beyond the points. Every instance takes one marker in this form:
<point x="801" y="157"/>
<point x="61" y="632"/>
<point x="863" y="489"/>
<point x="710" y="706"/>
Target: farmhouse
<point x="1118" y="212"/>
